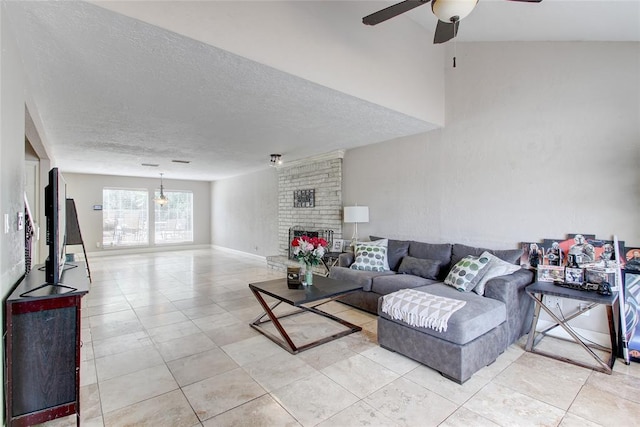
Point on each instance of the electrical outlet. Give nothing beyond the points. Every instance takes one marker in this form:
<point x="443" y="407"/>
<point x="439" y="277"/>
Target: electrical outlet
<point x="552" y="302"/>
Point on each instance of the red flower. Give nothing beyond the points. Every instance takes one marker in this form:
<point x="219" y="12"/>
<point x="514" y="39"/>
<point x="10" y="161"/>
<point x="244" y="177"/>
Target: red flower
<point x="309" y="250"/>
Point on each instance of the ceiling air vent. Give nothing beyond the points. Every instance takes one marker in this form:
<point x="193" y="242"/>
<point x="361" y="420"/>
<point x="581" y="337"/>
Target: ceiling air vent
<point x="186" y="162"/>
<point x="153" y="165"/>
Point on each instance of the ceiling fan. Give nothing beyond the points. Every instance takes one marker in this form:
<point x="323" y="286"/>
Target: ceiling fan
<point x="449" y="13"/>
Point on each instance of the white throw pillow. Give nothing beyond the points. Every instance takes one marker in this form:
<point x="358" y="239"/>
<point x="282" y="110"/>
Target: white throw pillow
<point x="496" y="268"/>
<point x="371" y="256"/>
<point x="381" y="242"/>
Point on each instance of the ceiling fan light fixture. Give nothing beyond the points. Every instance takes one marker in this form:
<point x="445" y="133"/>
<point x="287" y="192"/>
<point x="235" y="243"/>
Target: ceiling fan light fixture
<point x="452" y="10"/>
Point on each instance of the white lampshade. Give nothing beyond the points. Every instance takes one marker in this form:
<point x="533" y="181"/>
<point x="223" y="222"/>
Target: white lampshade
<point x="356" y="214"/>
<point x="447" y="9"/>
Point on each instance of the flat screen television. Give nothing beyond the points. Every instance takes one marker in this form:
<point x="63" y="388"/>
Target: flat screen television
<point x="55" y="200"/>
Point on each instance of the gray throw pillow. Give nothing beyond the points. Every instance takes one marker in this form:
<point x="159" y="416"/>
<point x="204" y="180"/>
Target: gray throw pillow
<point x="427" y="268"/>
<point x="396" y="249"/>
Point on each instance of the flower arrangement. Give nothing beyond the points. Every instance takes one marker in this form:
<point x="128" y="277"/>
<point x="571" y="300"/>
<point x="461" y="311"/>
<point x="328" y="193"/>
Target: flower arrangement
<point x="309" y="250"/>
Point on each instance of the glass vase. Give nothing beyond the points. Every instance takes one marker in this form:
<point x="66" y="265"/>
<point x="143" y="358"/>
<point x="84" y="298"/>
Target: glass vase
<point x="308" y="275"/>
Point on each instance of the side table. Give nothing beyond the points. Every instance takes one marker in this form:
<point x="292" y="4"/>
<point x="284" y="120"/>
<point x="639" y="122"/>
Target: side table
<point x="537" y="291"/>
<point x="329" y="260"/>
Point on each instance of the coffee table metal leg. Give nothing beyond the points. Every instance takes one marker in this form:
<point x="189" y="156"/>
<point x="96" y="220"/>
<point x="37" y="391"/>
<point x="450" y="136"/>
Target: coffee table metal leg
<point x="274" y="319"/>
<point x="286" y="341"/>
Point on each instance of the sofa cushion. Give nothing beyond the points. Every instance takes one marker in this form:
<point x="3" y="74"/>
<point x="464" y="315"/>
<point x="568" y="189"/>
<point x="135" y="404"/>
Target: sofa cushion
<point x="371" y="256"/>
<point x="386" y="284"/>
<point x="467" y="272"/>
<point x="427" y="268"/>
<point x="496" y="268"/>
<point x="396" y="250"/>
<point x="477" y="317"/>
<point x="460" y="251"/>
<point x="438" y="251"/>
<point x="356" y="276"/>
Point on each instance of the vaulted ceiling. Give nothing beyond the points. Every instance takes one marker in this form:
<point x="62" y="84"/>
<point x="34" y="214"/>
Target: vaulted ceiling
<point x="113" y="85"/>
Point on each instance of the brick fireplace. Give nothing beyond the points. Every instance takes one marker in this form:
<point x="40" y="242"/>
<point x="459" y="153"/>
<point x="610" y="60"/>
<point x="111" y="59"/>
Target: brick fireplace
<point x="322" y="174"/>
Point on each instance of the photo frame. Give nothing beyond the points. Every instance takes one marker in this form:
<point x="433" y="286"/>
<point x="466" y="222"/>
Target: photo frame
<point x="631" y="285"/>
<point x="597" y="276"/>
<point x="550" y="273"/>
<point x="605" y="251"/>
<point x="632" y="259"/>
<point x="597" y="250"/>
<point x="532" y="255"/>
<point x="583" y="255"/>
<point x="293" y="277"/>
<point x="553" y="254"/>
<point x="574" y="275"/>
<point x="304" y="198"/>
<point x="337" y="245"/>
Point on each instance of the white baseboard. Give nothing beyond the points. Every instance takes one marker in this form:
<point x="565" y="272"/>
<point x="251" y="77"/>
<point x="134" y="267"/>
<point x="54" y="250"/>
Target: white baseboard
<point x="124" y="251"/>
<point x="237" y="252"/>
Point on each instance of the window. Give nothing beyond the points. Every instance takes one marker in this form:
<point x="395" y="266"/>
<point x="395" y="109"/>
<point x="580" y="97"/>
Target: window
<point x="174" y="221"/>
<point x="125" y="216"/>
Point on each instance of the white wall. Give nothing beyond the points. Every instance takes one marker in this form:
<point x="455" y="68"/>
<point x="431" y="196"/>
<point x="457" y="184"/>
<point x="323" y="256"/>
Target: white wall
<point x="245" y="213"/>
<point x="86" y="190"/>
<point x="543" y="139"/>
<point x="12" y="86"/>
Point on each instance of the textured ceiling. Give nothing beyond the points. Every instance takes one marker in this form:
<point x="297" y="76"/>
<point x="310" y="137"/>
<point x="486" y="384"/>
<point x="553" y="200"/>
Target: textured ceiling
<point x="113" y="92"/>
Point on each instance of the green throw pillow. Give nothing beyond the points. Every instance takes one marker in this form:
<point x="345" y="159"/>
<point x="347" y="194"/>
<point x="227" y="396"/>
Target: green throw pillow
<point x="369" y="257"/>
<point x="466" y="274"/>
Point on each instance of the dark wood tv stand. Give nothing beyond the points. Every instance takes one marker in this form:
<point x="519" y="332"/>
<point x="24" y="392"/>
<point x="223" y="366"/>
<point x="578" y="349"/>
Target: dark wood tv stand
<point x="42" y="347"/>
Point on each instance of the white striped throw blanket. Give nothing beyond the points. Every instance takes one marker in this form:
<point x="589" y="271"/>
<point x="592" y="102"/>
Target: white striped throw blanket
<point x="420" y="309"/>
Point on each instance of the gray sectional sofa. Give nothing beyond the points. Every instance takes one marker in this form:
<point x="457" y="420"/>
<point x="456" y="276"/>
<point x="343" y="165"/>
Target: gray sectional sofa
<point x="475" y="335"/>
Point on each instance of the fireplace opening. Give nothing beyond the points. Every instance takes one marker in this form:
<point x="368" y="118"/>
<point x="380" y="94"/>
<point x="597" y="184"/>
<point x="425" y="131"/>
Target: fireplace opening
<point x="299" y="231"/>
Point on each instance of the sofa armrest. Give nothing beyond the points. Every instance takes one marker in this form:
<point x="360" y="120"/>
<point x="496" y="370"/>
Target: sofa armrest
<point x="345" y="259"/>
<point x="510" y="289"/>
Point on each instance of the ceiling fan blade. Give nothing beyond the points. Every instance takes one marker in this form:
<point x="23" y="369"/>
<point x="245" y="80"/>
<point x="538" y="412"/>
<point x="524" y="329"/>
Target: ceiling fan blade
<point x="392" y="11"/>
<point x="445" y="31"/>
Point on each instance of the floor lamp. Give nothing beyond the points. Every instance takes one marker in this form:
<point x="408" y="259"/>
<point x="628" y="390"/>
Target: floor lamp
<point x="354" y="215"/>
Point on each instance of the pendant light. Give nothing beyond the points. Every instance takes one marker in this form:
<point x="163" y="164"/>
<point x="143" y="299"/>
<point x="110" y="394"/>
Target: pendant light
<point x="162" y="199"/>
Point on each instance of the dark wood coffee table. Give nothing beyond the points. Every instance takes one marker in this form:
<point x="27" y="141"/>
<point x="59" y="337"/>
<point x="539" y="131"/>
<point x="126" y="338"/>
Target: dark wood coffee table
<point x="323" y="290"/>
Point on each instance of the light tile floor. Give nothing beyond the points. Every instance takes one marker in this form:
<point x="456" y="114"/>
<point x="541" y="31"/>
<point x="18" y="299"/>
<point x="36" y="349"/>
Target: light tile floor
<point x="167" y="343"/>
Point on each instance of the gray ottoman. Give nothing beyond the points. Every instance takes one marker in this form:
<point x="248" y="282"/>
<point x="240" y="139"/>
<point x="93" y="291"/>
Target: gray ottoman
<point x="475" y="336"/>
